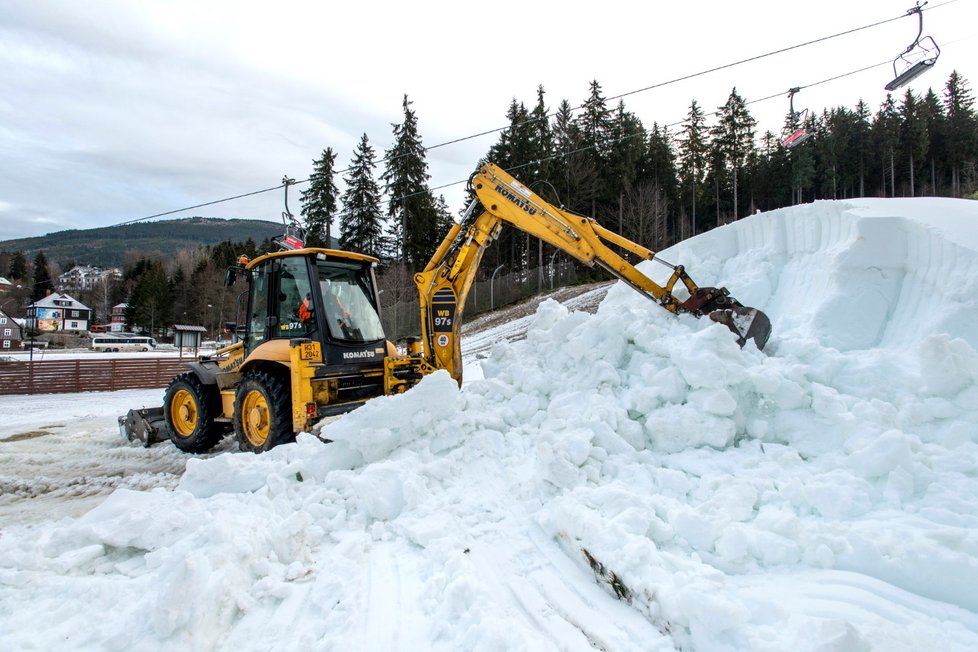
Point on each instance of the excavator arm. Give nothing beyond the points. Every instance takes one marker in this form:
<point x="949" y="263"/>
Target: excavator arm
<point x="445" y="282"/>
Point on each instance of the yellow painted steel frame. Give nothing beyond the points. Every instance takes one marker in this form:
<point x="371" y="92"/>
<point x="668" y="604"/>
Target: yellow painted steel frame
<point x="445" y="282"/>
<point x="402" y="372"/>
<point x="332" y="253"/>
<point x="306" y="357"/>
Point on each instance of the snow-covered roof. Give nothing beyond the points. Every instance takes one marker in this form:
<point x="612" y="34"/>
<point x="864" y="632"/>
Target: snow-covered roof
<point x="51" y="301"/>
<point x="191" y="329"/>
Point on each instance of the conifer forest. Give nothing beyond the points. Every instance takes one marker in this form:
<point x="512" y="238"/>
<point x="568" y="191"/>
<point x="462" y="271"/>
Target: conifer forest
<point x="654" y="183"/>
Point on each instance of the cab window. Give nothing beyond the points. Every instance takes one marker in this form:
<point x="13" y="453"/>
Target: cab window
<point x="296" y="308"/>
<point x="258" y="306"/>
<point x="347" y="296"/>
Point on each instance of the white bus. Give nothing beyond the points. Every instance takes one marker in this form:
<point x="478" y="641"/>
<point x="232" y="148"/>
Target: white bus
<point x="120" y="342"/>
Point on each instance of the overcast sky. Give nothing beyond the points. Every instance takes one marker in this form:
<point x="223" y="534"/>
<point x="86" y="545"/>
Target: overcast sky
<point x="111" y="110"/>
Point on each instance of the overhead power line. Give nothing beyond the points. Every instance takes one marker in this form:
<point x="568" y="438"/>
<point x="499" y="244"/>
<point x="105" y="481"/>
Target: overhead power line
<point x="549" y="115"/>
<point x="646" y="132"/>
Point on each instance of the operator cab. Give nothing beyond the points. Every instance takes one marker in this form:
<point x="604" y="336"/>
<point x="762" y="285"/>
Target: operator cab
<point x="325" y="295"/>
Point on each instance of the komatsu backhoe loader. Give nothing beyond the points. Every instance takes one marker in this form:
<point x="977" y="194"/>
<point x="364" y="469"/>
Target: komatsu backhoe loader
<point x="313" y="344"/>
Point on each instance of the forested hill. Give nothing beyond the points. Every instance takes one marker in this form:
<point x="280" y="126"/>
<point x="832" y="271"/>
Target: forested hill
<point x="107" y="246"/>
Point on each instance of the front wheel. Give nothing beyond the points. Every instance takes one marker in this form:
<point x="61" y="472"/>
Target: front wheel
<point x="189" y="408"/>
<point x="262" y="413"/>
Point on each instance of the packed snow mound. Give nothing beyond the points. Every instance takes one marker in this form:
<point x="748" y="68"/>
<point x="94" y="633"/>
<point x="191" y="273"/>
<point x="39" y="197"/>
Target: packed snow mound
<point x="628" y="480"/>
<point x="855" y="274"/>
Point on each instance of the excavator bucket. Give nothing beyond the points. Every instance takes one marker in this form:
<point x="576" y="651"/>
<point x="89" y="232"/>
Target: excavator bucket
<point x="746" y="323"/>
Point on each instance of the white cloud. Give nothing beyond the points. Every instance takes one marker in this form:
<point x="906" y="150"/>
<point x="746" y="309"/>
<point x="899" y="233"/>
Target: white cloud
<point x="114" y="110"/>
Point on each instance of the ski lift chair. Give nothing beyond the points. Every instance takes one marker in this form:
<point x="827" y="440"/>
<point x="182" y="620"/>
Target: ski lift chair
<point x="295" y="235"/>
<point x="801" y="134"/>
<point x="917" y="58"/>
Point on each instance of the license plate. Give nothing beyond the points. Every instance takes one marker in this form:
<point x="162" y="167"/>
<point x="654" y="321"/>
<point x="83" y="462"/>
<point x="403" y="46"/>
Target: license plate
<point x="310" y="351"/>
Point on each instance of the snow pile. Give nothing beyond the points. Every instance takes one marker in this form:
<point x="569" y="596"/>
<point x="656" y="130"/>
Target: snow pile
<point x="627" y="480"/>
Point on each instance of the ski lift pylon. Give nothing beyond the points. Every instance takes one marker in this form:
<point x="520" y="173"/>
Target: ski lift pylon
<point x="799" y="134"/>
<point x="918" y="57"/>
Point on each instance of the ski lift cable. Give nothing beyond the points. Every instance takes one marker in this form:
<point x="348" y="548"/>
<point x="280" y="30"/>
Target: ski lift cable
<point x="551" y="114"/>
<point x="645" y="132"/>
<point x="700" y="73"/>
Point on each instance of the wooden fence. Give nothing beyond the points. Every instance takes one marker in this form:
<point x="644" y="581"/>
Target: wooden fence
<point x="80" y="375"/>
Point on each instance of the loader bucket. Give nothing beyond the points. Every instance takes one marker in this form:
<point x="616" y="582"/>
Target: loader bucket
<point x="746" y="323"/>
<point x="146" y="425"/>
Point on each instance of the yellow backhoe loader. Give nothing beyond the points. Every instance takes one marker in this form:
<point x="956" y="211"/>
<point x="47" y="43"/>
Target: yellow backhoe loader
<point x="313" y="344"/>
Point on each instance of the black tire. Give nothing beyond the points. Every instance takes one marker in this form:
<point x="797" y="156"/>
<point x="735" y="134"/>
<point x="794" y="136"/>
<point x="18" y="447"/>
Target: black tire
<point x="189" y="408"/>
<point x="263" y="412"/>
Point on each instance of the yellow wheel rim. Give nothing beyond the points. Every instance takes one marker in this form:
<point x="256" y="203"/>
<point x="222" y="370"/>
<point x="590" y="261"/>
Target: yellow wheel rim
<point x="255" y="419"/>
<point x="183" y="412"/>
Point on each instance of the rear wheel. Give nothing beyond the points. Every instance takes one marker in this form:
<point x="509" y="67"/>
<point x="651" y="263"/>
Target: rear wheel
<point x="189" y="408"/>
<point x="262" y="412"/>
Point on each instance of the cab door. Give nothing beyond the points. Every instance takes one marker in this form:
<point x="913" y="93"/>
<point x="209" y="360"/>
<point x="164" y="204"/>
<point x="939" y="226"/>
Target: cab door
<point x="259" y="282"/>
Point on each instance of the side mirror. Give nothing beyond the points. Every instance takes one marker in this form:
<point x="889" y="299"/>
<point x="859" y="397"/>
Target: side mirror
<point x="230" y="276"/>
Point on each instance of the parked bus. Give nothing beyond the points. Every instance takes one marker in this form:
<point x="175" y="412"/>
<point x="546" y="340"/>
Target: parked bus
<point x="119" y="342"/>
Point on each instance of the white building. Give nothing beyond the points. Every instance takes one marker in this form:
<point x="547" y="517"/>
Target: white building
<point x="83" y="277"/>
<point x="58" y="312"/>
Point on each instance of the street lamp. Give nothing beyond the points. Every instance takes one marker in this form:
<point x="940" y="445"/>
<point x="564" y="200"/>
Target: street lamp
<point x="552" y="274"/>
<point x="491" y="279"/>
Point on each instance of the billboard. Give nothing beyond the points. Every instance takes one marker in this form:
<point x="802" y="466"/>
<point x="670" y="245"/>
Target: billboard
<point x="49" y="319"/>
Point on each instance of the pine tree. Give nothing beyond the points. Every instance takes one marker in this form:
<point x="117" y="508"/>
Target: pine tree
<point x="693" y="148"/>
<point x="627" y="155"/>
<point x="575" y="172"/>
<point x="962" y="128"/>
<point x="410" y="205"/>
<point x="514" y="152"/>
<point x="182" y="291"/>
<point x="935" y="127"/>
<point x="886" y="137"/>
<point x="914" y="142"/>
<point x="151" y="301"/>
<point x="734" y="135"/>
<point x="561" y="129"/>
<point x="361" y="222"/>
<point x="225" y="253"/>
<point x="445" y="221"/>
<point x="541" y="166"/>
<point x="42" y="284"/>
<point x="594" y="127"/>
<point x="18" y="266"/>
<point x="541" y="140"/>
<point x="863" y="141"/>
<point x="319" y="201"/>
<point x="595" y="123"/>
<point x="659" y="168"/>
<point x="774" y="170"/>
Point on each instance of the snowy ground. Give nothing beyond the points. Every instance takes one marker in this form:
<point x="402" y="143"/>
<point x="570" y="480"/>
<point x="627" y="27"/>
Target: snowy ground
<point x="626" y="480"/>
